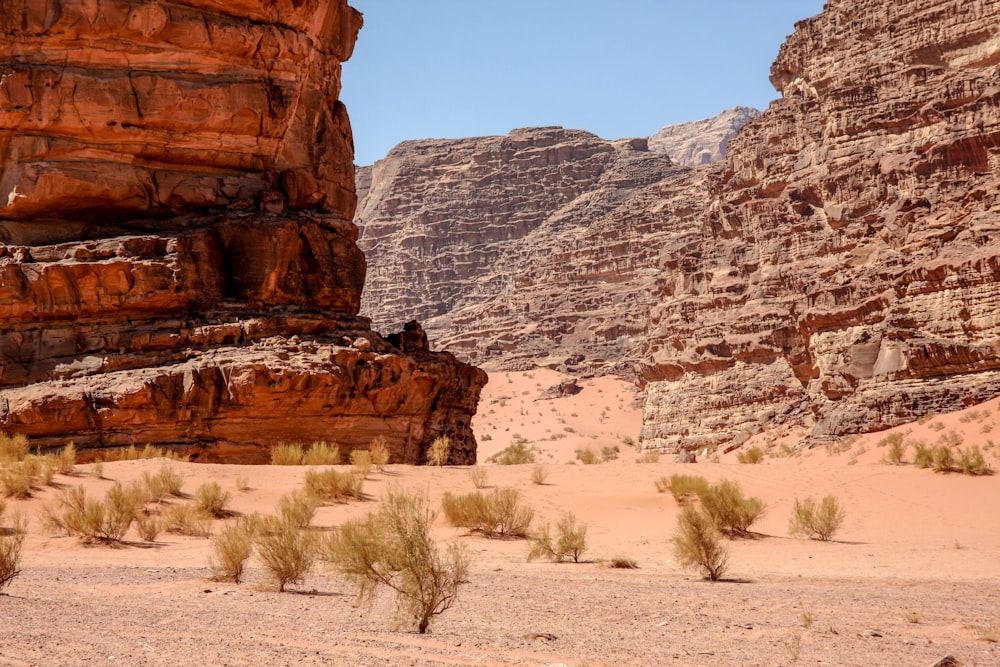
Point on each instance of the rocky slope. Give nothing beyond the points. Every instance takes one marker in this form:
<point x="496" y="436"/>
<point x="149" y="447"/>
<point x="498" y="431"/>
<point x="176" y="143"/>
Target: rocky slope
<point x="846" y="274"/>
<point x="701" y="142"/>
<point x="178" y="265"/>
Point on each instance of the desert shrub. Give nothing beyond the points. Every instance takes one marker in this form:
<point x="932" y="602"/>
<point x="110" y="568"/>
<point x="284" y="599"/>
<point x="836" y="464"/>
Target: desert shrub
<point x="586" y="456"/>
<point x="361" y="459"/>
<point x="753" y="455"/>
<point x="379" y="449"/>
<point x="923" y="454"/>
<point x="609" y="453"/>
<point x="497" y="514"/>
<point x="439" y="451"/>
<point x="186" y="519"/>
<point x="332" y="485"/>
<point x="164" y="482"/>
<point x="242" y="483"/>
<point x="106" y="520"/>
<point x="731" y="513"/>
<point x="320" y="454"/>
<point x="11" y="542"/>
<point x="13" y="448"/>
<point x="48" y="465"/>
<point x="627" y="440"/>
<point x="539" y="474"/>
<point x="650" y="457"/>
<point x="298" y="508"/>
<point x="287" y="552"/>
<point x="148" y="526"/>
<point x="131" y="453"/>
<point x="570" y="541"/>
<point x="623" y="563"/>
<point x="816" y="522"/>
<point x="942" y="460"/>
<point x="972" y="462"/>
<point x="121" y="505"/>
<point x="67" y="459"/>
<point x="897" y="449"/>
<point x="697" y="545"/>
<point x="97" y="469"/>
<point x="516" y="453"/>
<point x="231" y="550"/>
<point x="211" y="499"/>
<point x="287" y="454"/>
<point x="17" y="478"/>
<point x="684" y="488"/>
<point x="393" y="548"/>
<point x="479" y="476"/>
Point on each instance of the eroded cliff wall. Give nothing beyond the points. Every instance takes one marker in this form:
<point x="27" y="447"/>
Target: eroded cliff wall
<point x="178" y="264"/>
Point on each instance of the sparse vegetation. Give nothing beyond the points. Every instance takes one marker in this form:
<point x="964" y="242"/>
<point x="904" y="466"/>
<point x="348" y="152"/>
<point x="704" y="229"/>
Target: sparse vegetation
<point x="107" y="520"/>
<point x="570" y="541"/>
<point x="379" y="449"/>
<point x="18" y="477"/>
<point x="923" y="454"/>
<point x="321" y="454"/>
<point x="697" y="545"/>
<point x="332" y="485"/>
<point x="185" y="519"/>
<point x="67" y="459"/>
<point x="942" y="459"/>
<point x="586" y="456"/>
<point x="287" y="455"/>
<point x="517" y="453"/>
<point x="816" y="522"/>
<point x="11" y="543"/>
<point x="650" y="457"/>
<point x="497" y="514"/>
<point x="393" y="548"/>
<point x="479" y="476"/>
<point x="897" y="449"/>
<point x="439" y="451"/>
<point x="972" y="462"/>
<point x="165" y="482"/>
<point x="361" y="460"/>
<point x="148" y="526"/>
<point x="753" y="455"/>
<point x="609" y="453"/>
<point x="684" y="488"/>
<point x="13" y="448"/>
<point x="231" y="549"/>
<point x="287" y="552"/>
<point x="132" y="453"/>
<point x="729" y="510"/>
<point x="298" y="508"/>
<point x="211" y="499"/>
<point x="623" y="563"/>
<point x="988" y="633"/>
<point x="539" y="474"/>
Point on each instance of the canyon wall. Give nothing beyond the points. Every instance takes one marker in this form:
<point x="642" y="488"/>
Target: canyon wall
<point x="701" y="142"/>
<point x="178" y="264"/>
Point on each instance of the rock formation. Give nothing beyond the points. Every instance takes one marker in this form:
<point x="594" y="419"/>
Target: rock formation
<point x="846" y="274"/>
<point x="701" y="142"/>
<point x="177" y="261"/>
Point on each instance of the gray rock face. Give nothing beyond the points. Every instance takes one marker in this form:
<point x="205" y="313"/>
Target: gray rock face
<point x="701" y="142"/>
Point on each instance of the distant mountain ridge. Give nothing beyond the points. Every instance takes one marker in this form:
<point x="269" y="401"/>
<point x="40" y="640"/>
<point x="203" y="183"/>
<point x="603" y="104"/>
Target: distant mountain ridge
<point x="701" y="142"/>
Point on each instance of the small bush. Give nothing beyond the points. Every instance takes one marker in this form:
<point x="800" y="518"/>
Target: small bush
<point x="186" y="519"/>
<point x="972" y="462"/>
<point x="439" y="451"/>
<point x="729" y="510"/>
<point x="211" y="499"/>
<point x="479" y="476"/>
<point x="331" y="485"/>
<point x="287" y="552"/>
<point x="570" y="541"/>
<point x="107" y="521"/>
<point x="11" y="542"/>
<point x="13" y="448"/>
<point x="816" y="522"/>
<point x="67" y="459"/>
<point x="231" y="550"/>
<point x="586" y="456"/>
<point x="923" y="454"/>
<point x="97" y="469"/>
<point x="697" y="545"/>
<point x="17" y="478"/>
<point x="287" y="455"/>
<point x="623" y="563"/>
<point x="517" y="453"/>
<point x="47" y="467"/>
<point x="942" y="459"/>
<point x="393" y="548"/>
<point x="684" y="488"/>
<point x="650" y="457"/>
<point x="148" y="526"/>
<point x="753" y="455"/>
<point x="165" y="482"/>
<point x="242" y="483"/>
<point x="897" y="450"/>
<point x="609" y="453"/>
<point x="321" y="454"/>
<point x="298" y="508"/>
<point x="539" y="474"/>
<point x="498" y="514"/>
<point x="379" y="449"/>
<point x="361" y="459"/>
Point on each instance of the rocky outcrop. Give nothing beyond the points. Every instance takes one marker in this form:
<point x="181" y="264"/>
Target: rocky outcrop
<point x="178" y="266"/>
<point x="538" y="248"/>
<point x="846" y="274"/>
<point x="701" y="142"/>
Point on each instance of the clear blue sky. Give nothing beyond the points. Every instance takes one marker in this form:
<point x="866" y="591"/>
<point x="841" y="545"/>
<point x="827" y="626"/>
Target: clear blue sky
<point x="462" y="68"/>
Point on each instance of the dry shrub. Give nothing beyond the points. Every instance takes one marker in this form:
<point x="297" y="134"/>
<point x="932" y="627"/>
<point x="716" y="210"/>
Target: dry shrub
<point x="13" y="448"/>
<point x="610" y="453"/>
<point x="331" y="485"/>
<point x="11" y="542"/>
<point x="48" y="465"/>
<point x="393" y="548"/>
<point x="17" y="478"/>
<point x="148" y="526"/>
<point x="165" y="482"/>
<point x="539" y="474"/>
<point x="361" y="460"/>
<point x="286" y="551"/>
<point x="321" y="454"/>
<point x="106" y="520"/>
<point x="731" y="513"/>
<point x="517" y="453"/>
<point x="287" y="455"/>
<point x="570" y="541"/>
<point x="67" y="459"/>
<point x="587" y="456"/>
<point x="497" y="514"/>
<point x="231" y="549"/>
<point x="942" y="460"/>
<point x="816" y="522"/>
<point x="623" y="563"/>
<point x="479" y="476"/>
<point x="923" y="454"/>
<point x="897" y="449"/>
<point x="753" y="455"/>
<point x="439" y="451"/>
<point x="242" y="483"/>
<point x="379" y="449"/>
<point x="650" y="457"/>
<point x="697" y="545"/>
<point x="298" y="508"/>
<point x="211" y="499"/>
<point x="131" y="453"/>
<point x="684" y="488"/>
<point x="186" y="519"/>
<point x="97" y="469"/>
<point x="972" y="462"/>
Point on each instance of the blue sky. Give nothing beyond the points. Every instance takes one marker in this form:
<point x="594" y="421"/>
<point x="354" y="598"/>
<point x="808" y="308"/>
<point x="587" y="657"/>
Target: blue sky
<point x="462" y="68"/>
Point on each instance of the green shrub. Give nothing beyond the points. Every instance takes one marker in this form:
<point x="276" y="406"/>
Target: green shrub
<point x="972" y="462"/>
<point x="697" y="545"/>
<point x="393" y="548"/>
<point x="684" y="488"/>
<point x="731" y="513"/>
<point x="497" y="514"/>
<point x="942" y="459"/>
<point x="923" y="454"/>
<point x="897" y="449"/>
<point x="816" y="522"/>
<point x="517" y="453"/>
<point x="287" y="552"/>
<point x="753" y="455"/>
<point x="570" y="541"/>
<point x="439" y="451"/>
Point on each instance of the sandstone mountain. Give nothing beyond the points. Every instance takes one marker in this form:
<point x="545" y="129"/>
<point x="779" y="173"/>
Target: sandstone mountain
<point x="701" y="142"/>
<point x="178" y="264"/>
<point x="839" y="270"/>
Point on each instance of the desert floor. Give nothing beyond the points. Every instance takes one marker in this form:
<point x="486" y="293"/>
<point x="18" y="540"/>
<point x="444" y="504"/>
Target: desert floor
<point x="913" y="576"/>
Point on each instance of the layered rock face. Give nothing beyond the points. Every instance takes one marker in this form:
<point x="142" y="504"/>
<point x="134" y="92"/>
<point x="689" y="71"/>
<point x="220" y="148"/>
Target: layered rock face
<point x="178" y="263"/>
<point x="701" y="142"/>
<point x="847" y="274"/>
<point x="538" y="248"/>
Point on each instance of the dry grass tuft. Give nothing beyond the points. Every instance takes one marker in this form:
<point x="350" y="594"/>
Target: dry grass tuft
<point x="321" y="454"/>
<point x="439" y="451"/>
<point x="287" y="552"/>
<point x="298" y="508"/>
<point x="516" y="453"/>
<point x="816" y="522"/>
<point x="379" y="449"/>
<point x="107" y="520"/>
<point x="361" y="460"/>
<point x="287" y="455"/>
<point x="211" y="500"/>
<point x="570" y="541"/>
<point x="539" y="474"/>
<point x="231" y="549"/>
<point x="186" y="519"/>
<point x="479" y="476"/>
<point x="729" y="510"/>
<point x="331" y="485"/>
<point x="497" y="514"/>
<point x="753" y="455"/>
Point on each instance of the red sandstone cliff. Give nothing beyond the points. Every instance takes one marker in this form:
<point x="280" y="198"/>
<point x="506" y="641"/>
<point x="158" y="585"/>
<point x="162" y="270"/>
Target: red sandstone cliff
<point x="178" y="264"/>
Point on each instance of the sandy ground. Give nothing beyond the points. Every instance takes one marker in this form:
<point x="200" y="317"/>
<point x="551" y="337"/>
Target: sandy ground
<point x="913" y="576"/>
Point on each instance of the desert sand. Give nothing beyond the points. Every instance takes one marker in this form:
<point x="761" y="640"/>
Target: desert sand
<point x="913" y="576"/>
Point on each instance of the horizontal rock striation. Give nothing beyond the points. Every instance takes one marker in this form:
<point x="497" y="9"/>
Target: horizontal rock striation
<point x="847" y="271"/>
<point x="177" y="261"/>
